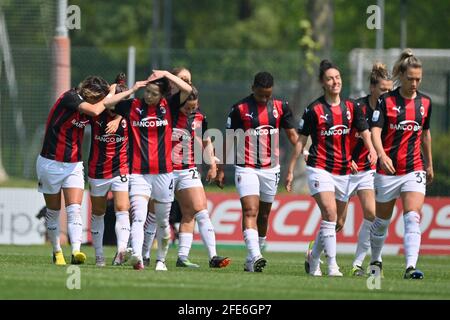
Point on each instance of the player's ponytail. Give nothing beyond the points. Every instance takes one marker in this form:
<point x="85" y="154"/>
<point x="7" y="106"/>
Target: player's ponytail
<point x="407" y="60"/>
<point x="379" y="72"/>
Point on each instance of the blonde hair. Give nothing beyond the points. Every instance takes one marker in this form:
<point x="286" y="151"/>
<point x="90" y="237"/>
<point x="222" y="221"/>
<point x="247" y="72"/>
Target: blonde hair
<point x="379" y="72"/>
<point x="407" y="60"/>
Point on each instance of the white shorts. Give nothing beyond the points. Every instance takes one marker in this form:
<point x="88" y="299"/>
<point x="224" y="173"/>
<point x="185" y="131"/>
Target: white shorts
<point x="100" y="187"/>
<point x="54" y="175"/>
<point x="320" y="180"/>
<point x="361" y="181"/>
<point x="259" y="182"/>
<point x="156" y="186"/>
<point x="388" y="188"/>
<point x="187" y="178"/>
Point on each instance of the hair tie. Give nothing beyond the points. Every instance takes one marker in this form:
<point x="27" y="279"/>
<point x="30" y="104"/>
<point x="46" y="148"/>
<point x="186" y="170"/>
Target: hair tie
<point x="121" y="82"/>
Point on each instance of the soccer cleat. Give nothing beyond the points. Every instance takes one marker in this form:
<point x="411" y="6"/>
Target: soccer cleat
<point x="219" y="262"/>
<point x="100" y="261"/>
<point x="333" y="271"/>
<point x="413" y="273"/>
<point x="186" y="264"/>
<point x="136" y="262"/>
<point x="160" y="266"/>
<point x="309" y="262"/>
<point x="259" y="263"/>
<point x="376" y="269"/>
<point x="120" y="258"/>
<point x="78" y="257"/>
<point x="146" y="261"/>
<point x="357" y="271"/>
<point x="58" y="258"/>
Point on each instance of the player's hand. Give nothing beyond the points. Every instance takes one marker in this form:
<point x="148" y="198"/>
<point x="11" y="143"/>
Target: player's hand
<point x="373" y="157"/>
<point x="112" y="89"/>
<point x="212" y="173"/>
<point x="113" y="125"/>
<point x="354" y="167"/>
<point x="157" y="74"/>
<point x="386" y="164"/>
<point x="288" y="182"/>
<point x="220" y="178"/>
<point x="139" y="84"/>
<point x="339" y="225"/>
<point x="430" y="174"/>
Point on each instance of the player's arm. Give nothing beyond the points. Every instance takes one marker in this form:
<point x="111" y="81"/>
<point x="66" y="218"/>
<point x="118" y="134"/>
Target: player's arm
<point x="112" y="99"/>
<point x="366" y="136"/>
<point x="427" y="154"/>
<point x="183" y="86"/>
<point x="208" y="151"/>
<point x="299" y="142"/>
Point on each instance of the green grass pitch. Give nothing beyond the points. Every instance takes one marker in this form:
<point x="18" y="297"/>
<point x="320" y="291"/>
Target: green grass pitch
<point x="26" y="272"/>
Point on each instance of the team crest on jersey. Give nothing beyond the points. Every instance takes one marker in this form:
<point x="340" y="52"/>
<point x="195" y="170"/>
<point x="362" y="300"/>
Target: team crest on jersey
<point x="376" y="115"/>
<point x="194" y="125"/>
<point x="162" y="110"/>
<point x="349" y="115"/>
<point x="301" y="124"/>
<point x="422" y="110"/>
<point x="123" y="123"/>
<point x="275" y="113"/>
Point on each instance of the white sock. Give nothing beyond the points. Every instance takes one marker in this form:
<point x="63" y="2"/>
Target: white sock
<point x="206" y="230"/>
<point x="262" y="243"/>
<point x="97" y="231"/>
<point x="412" y="237"/>
<point x="185" y="243"/>
<point x="328" y="237"/>
<point x="378" y="233"/>
<point x="122" y="228"/>
<point x="162" y="211"/>
<point x="139" y="214"/>
<point x="74" y="226"/>
<point x="317" y="247"/>
<point x="149" y="234"/>
<point x="52" y="224"/>
<point x="363" y="243"/>
<point x="251" y="241"/>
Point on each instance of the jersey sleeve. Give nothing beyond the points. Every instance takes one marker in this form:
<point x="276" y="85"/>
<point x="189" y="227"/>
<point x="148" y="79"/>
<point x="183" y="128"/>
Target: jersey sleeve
<point x="287" y="120"/>
<point x="306" y="122"/>
<point x="359" y="119"/>
<point x="123" y="107"/>
<point x="174" y="101"/>
<point x="234" y="120"/>
<point x="71" y="100"/>
<point x="379" y="114"/>
<point x="426" y="125"/>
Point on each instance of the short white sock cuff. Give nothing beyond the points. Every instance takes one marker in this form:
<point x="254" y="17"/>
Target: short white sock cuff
<point x="412" y="222"/>
<point x="251" y="233"/>
<point x="203" y="214"/>
<point x="139" y="209"/>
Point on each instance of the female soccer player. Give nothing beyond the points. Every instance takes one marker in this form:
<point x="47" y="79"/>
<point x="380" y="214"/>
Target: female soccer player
<point x="400" y="128"/>
<point x="259" y="118"/>
<point x="150" y="125"/>
<point x="361" y="181"/>
<point x="108" y="171"/>
<point x="59" y="166"/>
<point x="329" y="120"/>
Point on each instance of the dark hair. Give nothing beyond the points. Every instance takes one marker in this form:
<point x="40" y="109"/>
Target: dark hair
<point x="263" y="80"/>
<point x="193" y="95"/>
<point x="163" y="85"/>
<point x="379" y="72"/>
<point x="406" y="59"/>
<point x="121" y="80"/>
<point x="177" y="71"/>
<point x="93" y="88"/>
<point x="324" y="66"/>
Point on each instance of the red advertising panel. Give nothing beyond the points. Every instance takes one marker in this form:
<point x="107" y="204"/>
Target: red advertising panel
<point x="295" y="219"/>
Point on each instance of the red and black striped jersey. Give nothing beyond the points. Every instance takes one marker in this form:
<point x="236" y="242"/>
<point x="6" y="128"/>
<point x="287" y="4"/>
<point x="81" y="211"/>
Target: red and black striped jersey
<point x="403" y="121"/>
<point x="360" y="154"/>
<point x="108" y="156"/>
<point x="65" y="129"/>
<point x="329" y="127"/>
<point x="260" y="125"/>
<point x="150" y="134"/>
<point x="188" y="132"/>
